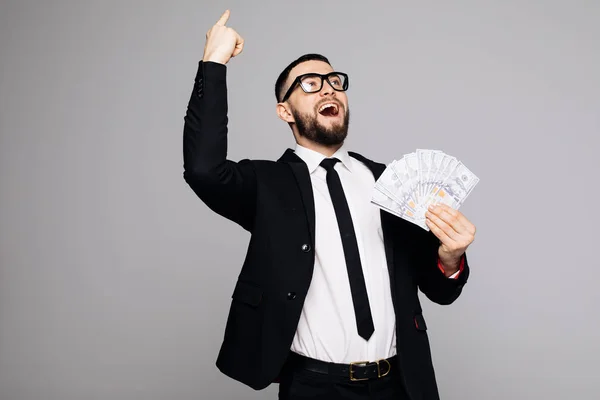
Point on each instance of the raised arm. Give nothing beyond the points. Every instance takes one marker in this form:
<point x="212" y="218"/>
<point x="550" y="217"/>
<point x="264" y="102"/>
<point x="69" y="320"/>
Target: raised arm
<point x="225" y="186"/>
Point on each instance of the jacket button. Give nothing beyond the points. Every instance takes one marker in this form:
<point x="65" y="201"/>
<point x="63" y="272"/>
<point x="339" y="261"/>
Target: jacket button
<point x="305" y="248"/>
<point x="291" y="296"/>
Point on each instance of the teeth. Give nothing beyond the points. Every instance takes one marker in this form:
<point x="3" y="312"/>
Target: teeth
<point x="324" y="106"/>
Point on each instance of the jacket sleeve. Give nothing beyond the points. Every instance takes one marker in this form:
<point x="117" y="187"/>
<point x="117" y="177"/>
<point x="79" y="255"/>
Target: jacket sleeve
<point x="226" y="187"/>
<point x="430" y="278"/>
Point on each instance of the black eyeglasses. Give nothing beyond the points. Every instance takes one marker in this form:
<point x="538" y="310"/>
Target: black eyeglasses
<point x="313" y="82"/>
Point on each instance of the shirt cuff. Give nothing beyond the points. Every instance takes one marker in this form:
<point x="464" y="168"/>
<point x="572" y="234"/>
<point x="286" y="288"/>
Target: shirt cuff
<point x="457" y="273"/>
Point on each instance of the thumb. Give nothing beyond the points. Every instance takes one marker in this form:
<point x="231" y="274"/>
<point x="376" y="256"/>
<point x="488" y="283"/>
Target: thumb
<point x="239" y="46"/>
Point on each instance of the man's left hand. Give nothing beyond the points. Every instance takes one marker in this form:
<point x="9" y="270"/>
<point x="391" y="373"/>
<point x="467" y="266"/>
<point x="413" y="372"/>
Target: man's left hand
<point x="454" y="231"/>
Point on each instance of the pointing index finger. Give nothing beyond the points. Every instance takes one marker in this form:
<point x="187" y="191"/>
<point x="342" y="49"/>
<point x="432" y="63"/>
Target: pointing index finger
<point x="223" y="20"/>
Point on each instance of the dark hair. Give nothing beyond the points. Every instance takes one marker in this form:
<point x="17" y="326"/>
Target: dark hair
<point x="286" y="72"/>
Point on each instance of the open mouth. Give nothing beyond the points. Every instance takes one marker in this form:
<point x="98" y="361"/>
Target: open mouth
<point x="329" y="110"/>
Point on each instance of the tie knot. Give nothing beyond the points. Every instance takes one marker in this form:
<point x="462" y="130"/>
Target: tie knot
<point x="329" y="163"/>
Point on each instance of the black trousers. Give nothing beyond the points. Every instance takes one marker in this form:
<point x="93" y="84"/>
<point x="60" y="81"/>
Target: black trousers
<point x="297" y="383"/>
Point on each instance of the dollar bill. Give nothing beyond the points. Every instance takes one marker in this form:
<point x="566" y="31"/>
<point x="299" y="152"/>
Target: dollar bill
<point x="408" y="188"/>
<point x="437" y="165"/>
<point x="412" y="170"/>
<point x="446" y="171"/>
<point x="456" y="188"/>
<point x="391" y="185"/>
<point x="401" y="210"/>
<point x="424" y="166"/>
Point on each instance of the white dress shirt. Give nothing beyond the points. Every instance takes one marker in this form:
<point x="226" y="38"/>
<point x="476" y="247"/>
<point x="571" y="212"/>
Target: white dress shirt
<point x="327" y="327"/>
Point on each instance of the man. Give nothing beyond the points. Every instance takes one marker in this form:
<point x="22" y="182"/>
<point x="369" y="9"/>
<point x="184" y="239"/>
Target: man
<point x="326" y="301"/>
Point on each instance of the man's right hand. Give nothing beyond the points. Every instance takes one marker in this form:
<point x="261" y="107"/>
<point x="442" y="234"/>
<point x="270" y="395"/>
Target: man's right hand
<point x="222" y="42"/>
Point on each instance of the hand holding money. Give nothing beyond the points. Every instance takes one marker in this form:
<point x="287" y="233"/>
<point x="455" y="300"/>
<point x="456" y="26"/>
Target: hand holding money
<point x="426" y="188"/>
<point x="222" y="42"/>
<point x="454" y="231"/>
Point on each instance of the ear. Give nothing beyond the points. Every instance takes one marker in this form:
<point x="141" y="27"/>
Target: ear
<point x="283" y="112"/>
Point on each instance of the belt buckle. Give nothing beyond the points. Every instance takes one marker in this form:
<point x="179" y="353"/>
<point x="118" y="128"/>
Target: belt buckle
<point x="352" y="378"/>
<point x="379" y="368"/>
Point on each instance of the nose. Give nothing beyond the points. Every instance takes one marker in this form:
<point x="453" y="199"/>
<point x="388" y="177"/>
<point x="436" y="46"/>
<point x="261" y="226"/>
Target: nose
<point x="327" y="89"/>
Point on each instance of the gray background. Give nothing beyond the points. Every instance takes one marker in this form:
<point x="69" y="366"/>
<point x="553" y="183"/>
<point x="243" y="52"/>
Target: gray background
<point x="115" y="279"/>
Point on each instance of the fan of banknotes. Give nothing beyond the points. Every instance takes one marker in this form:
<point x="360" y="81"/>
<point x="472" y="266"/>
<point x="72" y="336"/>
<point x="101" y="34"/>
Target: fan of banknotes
<point x="409" y="185"/>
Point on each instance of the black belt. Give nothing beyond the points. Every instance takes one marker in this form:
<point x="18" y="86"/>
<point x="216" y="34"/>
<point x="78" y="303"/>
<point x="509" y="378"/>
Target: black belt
<point x="355" y="371"/>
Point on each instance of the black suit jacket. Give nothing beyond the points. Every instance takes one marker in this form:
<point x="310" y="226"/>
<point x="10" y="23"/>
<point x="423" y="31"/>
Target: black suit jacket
<point x="273" y="200"/>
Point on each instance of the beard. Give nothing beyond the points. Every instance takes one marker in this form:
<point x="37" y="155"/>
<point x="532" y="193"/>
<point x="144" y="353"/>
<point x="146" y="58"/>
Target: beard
<point x="310" y="128"/>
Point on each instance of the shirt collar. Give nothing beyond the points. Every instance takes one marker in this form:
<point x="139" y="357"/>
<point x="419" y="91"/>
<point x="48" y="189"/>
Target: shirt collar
<point x="313" y="158"/>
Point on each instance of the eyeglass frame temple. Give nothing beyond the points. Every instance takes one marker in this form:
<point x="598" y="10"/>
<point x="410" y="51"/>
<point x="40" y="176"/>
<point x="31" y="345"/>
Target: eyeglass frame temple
<point x="322" y="76"/>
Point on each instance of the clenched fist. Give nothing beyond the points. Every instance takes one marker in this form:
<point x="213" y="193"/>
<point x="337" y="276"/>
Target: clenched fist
<point x="222" y="42"/>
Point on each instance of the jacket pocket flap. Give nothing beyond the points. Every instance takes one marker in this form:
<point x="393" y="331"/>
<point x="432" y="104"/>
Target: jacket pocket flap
<point x="420" y="322"/>
<point x="247" y="293"/>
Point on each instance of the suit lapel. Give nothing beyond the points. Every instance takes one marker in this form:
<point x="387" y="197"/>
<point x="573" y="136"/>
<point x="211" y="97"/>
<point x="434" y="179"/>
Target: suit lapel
<point x="302" y="176"/>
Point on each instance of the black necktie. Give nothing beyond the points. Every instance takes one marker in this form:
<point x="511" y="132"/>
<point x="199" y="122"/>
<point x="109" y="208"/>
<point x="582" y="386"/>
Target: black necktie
<point x="362" y="310"/>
